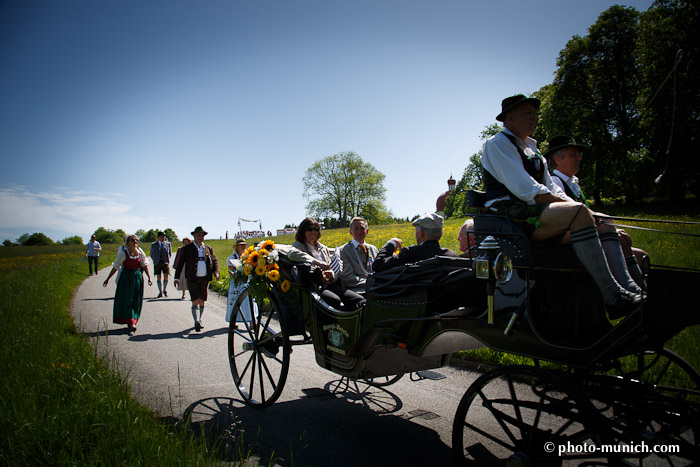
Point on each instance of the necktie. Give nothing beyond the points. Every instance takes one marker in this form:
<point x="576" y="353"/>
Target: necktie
<point x="364" y="250"/>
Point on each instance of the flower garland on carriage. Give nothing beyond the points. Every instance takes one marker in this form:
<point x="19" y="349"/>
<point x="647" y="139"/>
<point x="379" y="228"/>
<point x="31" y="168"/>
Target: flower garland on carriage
<point x="260" y="269"/>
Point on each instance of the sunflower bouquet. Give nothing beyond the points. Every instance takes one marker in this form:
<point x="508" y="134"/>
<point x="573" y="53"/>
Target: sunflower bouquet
<point x="259" y="267"/>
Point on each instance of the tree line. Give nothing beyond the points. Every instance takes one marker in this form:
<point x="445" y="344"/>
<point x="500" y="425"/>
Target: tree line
<point x="628" y="90"/>
<point x="102" y="235"/>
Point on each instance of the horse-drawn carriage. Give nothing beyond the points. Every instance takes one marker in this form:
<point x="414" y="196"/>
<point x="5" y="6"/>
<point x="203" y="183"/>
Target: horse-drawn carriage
<point x="607" y="391"/>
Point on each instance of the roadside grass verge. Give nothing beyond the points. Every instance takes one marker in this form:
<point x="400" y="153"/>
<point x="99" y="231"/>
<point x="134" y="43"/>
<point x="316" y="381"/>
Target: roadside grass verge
<point x="60" y="403"/>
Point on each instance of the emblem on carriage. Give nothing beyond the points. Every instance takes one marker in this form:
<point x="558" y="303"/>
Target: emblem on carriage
<point x="336" y="337"/>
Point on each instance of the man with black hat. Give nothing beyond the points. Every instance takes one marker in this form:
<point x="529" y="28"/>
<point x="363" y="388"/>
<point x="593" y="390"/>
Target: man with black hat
<point x="200" y="265"/>
<point x="519" y="186"/>
<point x="160" y="254"/>
<point x="564" y="156"/>
<point x="428" y="234"/>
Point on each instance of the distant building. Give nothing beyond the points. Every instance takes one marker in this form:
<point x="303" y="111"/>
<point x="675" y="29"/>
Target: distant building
<point x="440" y="203"/>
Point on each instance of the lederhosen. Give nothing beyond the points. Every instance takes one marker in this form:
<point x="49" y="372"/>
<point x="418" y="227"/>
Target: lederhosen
<point x="500" y="200"/>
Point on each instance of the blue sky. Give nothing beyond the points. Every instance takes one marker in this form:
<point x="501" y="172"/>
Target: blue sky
<point x="152" y="114"/>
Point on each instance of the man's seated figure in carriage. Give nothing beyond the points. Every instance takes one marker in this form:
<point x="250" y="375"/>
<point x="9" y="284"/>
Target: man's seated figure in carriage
<point x="428" y="234"/>
<point x="519" y="186"/>
<point x="564" y="158"/>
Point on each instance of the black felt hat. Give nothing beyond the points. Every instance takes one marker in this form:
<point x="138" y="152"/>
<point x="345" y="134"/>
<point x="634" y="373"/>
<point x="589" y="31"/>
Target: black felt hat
<point x="511" y="102"/>
<point x="199" y="229"/>
<point x="562" y="141"/>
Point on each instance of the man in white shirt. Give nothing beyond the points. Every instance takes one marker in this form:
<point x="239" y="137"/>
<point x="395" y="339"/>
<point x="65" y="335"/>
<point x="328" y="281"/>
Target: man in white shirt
<point x="92" y="252"/>
<point x="357" y="257"/>
<point x="200" y="265"/>
<point x="564" y="156"/>
<point x="519" y="186"/>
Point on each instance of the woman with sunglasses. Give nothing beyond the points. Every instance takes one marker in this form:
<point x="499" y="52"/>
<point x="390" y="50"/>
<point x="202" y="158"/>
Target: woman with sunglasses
<point x="308" y="250"/>
<point x="130" y="264"/>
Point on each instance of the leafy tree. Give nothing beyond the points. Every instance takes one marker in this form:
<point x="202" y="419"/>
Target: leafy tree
<point x="23" y="238"/>
<point x="9" y="242"/>
<point x="37" y="239"/>
<point x="149" y="237"/>
<point x="343" y="186"/>
<point x="593" y="97"/>
<point x="669" y="99"/>
<point x="170" y="235"/>
<point x="104" y="235"/>
<point x="74" y="240"/>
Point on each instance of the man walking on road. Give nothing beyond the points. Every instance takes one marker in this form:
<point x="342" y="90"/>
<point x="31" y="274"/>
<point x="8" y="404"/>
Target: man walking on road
<point x="92" y="252"/>
<point x="200" y="265"/>
<point x="160" y="254"/>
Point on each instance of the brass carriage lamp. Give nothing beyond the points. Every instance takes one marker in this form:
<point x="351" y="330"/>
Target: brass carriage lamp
<point x="492" y="265"/>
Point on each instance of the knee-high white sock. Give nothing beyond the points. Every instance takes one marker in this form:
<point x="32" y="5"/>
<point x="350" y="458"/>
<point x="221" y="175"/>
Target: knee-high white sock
<point x="616" y="261"/>
<point x="589" y="251"/>
<point x="195" y="313"/>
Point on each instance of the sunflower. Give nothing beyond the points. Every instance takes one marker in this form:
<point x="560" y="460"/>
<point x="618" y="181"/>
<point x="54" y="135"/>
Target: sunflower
<point x="273" y="266"/>
<point x="260" y="270"/>
<point x="247" y="269"/>
<point x="253" y="258"/>
<point x="267" y="245"/>
<point x="285" y="285"/>
<point x="273" y="275"/>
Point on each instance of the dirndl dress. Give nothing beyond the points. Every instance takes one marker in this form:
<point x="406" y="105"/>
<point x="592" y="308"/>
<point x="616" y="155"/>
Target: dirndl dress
<point x="128" y="299"/>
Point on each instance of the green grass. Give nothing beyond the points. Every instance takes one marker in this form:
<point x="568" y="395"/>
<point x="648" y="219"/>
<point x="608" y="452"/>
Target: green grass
<point x="60" y="403"/>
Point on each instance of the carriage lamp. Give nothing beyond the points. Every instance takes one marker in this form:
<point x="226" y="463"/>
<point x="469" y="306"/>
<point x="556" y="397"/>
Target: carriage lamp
<point x="488" y="249"/>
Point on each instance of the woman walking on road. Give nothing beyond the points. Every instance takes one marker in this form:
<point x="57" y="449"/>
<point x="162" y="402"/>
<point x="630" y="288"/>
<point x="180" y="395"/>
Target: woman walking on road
<point x="182" y="284"/>
<point x="131" y="263"/>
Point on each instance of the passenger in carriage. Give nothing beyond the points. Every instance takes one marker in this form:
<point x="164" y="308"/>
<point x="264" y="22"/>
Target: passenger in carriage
<point x="466" y="241"/>
<point x="428" y="234"/>
<point x="564" y="158"/>
<point x="308" y="250"/>
<point x="519" y="186"/>
<point x="357" y="257"/>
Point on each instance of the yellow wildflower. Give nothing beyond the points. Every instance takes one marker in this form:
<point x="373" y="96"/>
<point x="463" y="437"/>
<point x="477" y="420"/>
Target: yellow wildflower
<point x="285" y="285"/>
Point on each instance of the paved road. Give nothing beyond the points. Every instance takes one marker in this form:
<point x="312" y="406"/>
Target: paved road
<point x="177" y="371"/>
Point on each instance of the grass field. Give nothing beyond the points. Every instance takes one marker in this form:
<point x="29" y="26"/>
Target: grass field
<point x="61" y="404"/>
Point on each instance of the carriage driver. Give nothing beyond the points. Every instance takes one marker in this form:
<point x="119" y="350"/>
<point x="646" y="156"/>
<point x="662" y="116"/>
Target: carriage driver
<point x="519" y="186"/>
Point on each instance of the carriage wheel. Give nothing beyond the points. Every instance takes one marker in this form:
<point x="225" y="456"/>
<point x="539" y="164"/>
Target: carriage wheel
<point x="520" y="415"/>
<point x="258" y="351"/>
<point x="665" y="369"/>
<point x="383" y="381"/>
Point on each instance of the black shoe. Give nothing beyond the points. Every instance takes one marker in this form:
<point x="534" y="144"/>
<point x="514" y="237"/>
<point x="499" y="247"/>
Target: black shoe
<point x="159" y="295"/>
<point x="165" y="293"/>
<point x="197" y="327"/>
<point x="626" y="304"/>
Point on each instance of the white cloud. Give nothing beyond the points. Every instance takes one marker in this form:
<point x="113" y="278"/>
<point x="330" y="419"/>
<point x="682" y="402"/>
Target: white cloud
<point x="63" y="212"/>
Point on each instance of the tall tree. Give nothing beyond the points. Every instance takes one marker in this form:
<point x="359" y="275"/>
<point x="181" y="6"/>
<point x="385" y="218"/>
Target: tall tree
<point x="669" y="98"/>
<point x="593" y="97"/>
<point x="104" y="235"/>
<point x="343" y="186"/>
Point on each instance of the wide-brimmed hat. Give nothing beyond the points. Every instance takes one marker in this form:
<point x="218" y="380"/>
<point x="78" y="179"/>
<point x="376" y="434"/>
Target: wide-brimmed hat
<point x="562" y="141"/>
<point x="429" y="221"/>
<point x="240" y="241"/>
<point x="511" y="102"/>
<point x="199" y="229"/>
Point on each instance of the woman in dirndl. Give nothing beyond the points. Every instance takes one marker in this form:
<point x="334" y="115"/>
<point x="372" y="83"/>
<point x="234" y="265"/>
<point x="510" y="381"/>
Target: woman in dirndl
<point x="235" y="289"/>
<point x="130" y="264"/>
<point x="182" y="283"/>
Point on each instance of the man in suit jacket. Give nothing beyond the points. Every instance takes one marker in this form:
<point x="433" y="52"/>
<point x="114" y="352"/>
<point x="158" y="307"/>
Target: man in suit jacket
<point x="428" y="233"/>
<point x="357" y="257"/>
<point x="160" y="254"/>
<point x="200" y="265"/>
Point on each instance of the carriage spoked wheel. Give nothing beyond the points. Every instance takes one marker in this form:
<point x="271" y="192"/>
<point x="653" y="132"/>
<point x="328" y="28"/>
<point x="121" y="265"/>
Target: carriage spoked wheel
<point x="664" y="369"/>
<point x="521" y="415"/>
<point x="258" y="350"/>
<point x="383" y="381"/>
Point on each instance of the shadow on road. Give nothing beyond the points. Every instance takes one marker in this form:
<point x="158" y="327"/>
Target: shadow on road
<point x="356" y="427"/>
